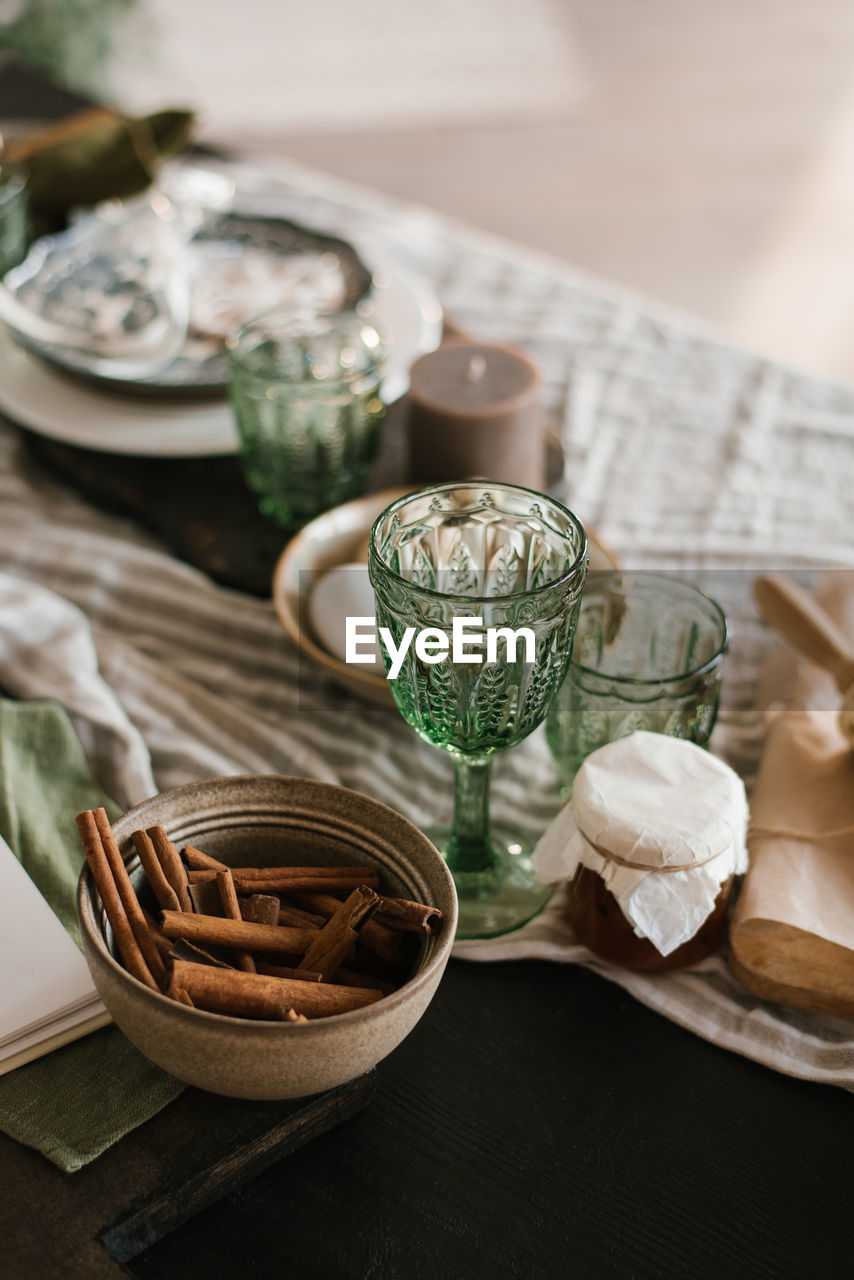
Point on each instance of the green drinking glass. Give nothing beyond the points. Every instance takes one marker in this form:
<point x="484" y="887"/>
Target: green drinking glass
<point x="305" y="389"/>
<point x="649" y="654"/>
<point x="14" y="216"/>
<point x="482" y="583"/>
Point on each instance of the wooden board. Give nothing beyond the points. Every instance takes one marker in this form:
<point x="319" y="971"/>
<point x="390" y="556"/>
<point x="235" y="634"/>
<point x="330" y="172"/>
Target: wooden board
<point x="200" y="507"/>
<point x="803" y="971"/>
<point x="85" y="1225"/>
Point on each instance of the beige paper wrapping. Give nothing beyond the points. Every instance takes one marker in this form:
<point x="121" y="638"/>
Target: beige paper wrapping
<point x="792" y="934"/>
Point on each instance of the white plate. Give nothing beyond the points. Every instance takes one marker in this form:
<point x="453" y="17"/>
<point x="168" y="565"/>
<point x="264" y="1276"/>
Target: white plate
<point x="56" y="405"/>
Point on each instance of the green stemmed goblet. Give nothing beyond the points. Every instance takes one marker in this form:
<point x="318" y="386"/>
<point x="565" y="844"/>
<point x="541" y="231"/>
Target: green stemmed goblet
<point x="477" y="590"/>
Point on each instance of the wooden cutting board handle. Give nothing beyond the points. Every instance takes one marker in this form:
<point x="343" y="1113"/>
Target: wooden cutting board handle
<point x="800" y="620"/>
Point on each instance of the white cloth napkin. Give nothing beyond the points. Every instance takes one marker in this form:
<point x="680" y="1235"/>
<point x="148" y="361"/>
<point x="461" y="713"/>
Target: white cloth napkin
<point x="47" y="651"/>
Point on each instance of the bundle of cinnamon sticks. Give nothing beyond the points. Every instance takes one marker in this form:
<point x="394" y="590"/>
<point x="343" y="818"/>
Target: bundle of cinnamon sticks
<point x="281" y="943"/>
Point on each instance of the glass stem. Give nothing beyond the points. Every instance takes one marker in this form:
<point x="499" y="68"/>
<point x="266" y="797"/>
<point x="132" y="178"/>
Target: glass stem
<point x="469" y="848"/>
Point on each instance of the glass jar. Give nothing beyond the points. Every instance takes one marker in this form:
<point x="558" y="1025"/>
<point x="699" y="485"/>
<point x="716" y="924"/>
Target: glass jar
<point x="598" y="922"/>
<point x="650" y="842"/>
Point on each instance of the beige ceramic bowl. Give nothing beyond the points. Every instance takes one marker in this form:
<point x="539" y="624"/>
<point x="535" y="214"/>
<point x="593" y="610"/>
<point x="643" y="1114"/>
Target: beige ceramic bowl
<point x="267" y="820"/>
<point x="340" y="536"/>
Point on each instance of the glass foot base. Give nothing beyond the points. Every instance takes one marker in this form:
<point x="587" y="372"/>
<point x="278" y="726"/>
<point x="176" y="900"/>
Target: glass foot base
<point x="500" y="899"/>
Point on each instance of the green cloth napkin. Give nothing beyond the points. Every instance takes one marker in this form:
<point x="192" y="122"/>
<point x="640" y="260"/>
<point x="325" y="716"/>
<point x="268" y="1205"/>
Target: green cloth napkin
<point x="77" y="1101"/>
<point x="112" y="158"/>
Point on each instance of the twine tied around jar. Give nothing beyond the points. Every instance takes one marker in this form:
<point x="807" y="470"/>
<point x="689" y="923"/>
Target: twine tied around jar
<point x="610" y="856"/>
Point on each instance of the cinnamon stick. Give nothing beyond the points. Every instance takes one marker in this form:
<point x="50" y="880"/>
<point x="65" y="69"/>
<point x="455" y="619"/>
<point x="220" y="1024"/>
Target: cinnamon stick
<point x="350" y="978"/>
<point x="334" y="940"/>
<point x="162" y="889"/>
<point x="298" y="975"/>
<point x="179" y="994"/>
<point x="228" y="897"/>
<point x="207" y="989"/>
<point x="288" y="960"/>
<point x="126" y="944"/>
<point x="363" y="875"/>
<point x="130" y="902"/>
<point x="284" y="879"/>
<point x="247" y="994"/>
<point x="289" y="914"/>
<point x="263" y="908"/>
<point x="164" y="946"/>
<point x="214" y="931"/>
<point x="183" y="950"/>
<point x="173" y="867"/>
<point x="411" y="917"/>
<point x="384" y="942"/>
<point x="205" y="898"/>
<point x="201" y="861"/>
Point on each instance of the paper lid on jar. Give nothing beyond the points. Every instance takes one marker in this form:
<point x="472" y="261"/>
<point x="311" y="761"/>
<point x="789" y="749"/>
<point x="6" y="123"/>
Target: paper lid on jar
<point x="656" y="801"/>
<point x="664" y="824"/>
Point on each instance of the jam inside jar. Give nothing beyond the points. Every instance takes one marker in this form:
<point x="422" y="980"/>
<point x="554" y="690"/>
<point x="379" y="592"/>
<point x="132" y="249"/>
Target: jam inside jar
<point x="599" y="923"/>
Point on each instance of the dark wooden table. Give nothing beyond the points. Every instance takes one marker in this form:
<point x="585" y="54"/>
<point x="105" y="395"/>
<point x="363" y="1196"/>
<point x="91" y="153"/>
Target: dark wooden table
<point x="537" y="1123"/>
<point x="540" y="1123"/>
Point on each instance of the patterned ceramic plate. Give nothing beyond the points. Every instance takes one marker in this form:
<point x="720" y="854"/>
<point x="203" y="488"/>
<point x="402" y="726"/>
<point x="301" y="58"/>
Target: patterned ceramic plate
<point x="239" y="265"/>
<point x="48" y="401"/>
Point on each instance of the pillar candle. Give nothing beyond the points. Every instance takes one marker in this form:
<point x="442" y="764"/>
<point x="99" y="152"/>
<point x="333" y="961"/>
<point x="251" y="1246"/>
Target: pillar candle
<point x="474" y="410"/>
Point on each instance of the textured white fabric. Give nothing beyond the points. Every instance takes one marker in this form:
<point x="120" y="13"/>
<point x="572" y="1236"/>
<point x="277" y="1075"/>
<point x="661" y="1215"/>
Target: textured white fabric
<point x="47" y="651"/>
<point x="681" y="451"/>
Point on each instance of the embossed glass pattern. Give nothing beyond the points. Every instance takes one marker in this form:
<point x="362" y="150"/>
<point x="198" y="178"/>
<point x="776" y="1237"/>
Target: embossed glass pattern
<point x="512" y="559"/>
<point x="305" y="393"/>
<point x="648" y="655"/>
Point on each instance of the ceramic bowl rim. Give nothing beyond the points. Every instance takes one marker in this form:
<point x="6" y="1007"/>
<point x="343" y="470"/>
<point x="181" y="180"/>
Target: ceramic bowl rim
<point x="290" y="621"/>
<point x="87" y="914"/>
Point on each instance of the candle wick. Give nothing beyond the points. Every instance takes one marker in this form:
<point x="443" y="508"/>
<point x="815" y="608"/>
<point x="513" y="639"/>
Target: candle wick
<point x="476" y="369"/>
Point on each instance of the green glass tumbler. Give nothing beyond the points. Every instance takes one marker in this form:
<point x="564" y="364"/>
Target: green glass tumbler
<point x="481" y="584"/>
<point x="305" y="389"/>
<point x="648" y="655"/>
<point x="14" y="216"/>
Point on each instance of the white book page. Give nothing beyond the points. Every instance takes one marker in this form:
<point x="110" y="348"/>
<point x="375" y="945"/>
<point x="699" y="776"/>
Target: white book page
<point x="19" y="1052"/>
<point x="36" y="1031"/>
<point x="42" y="973"/>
